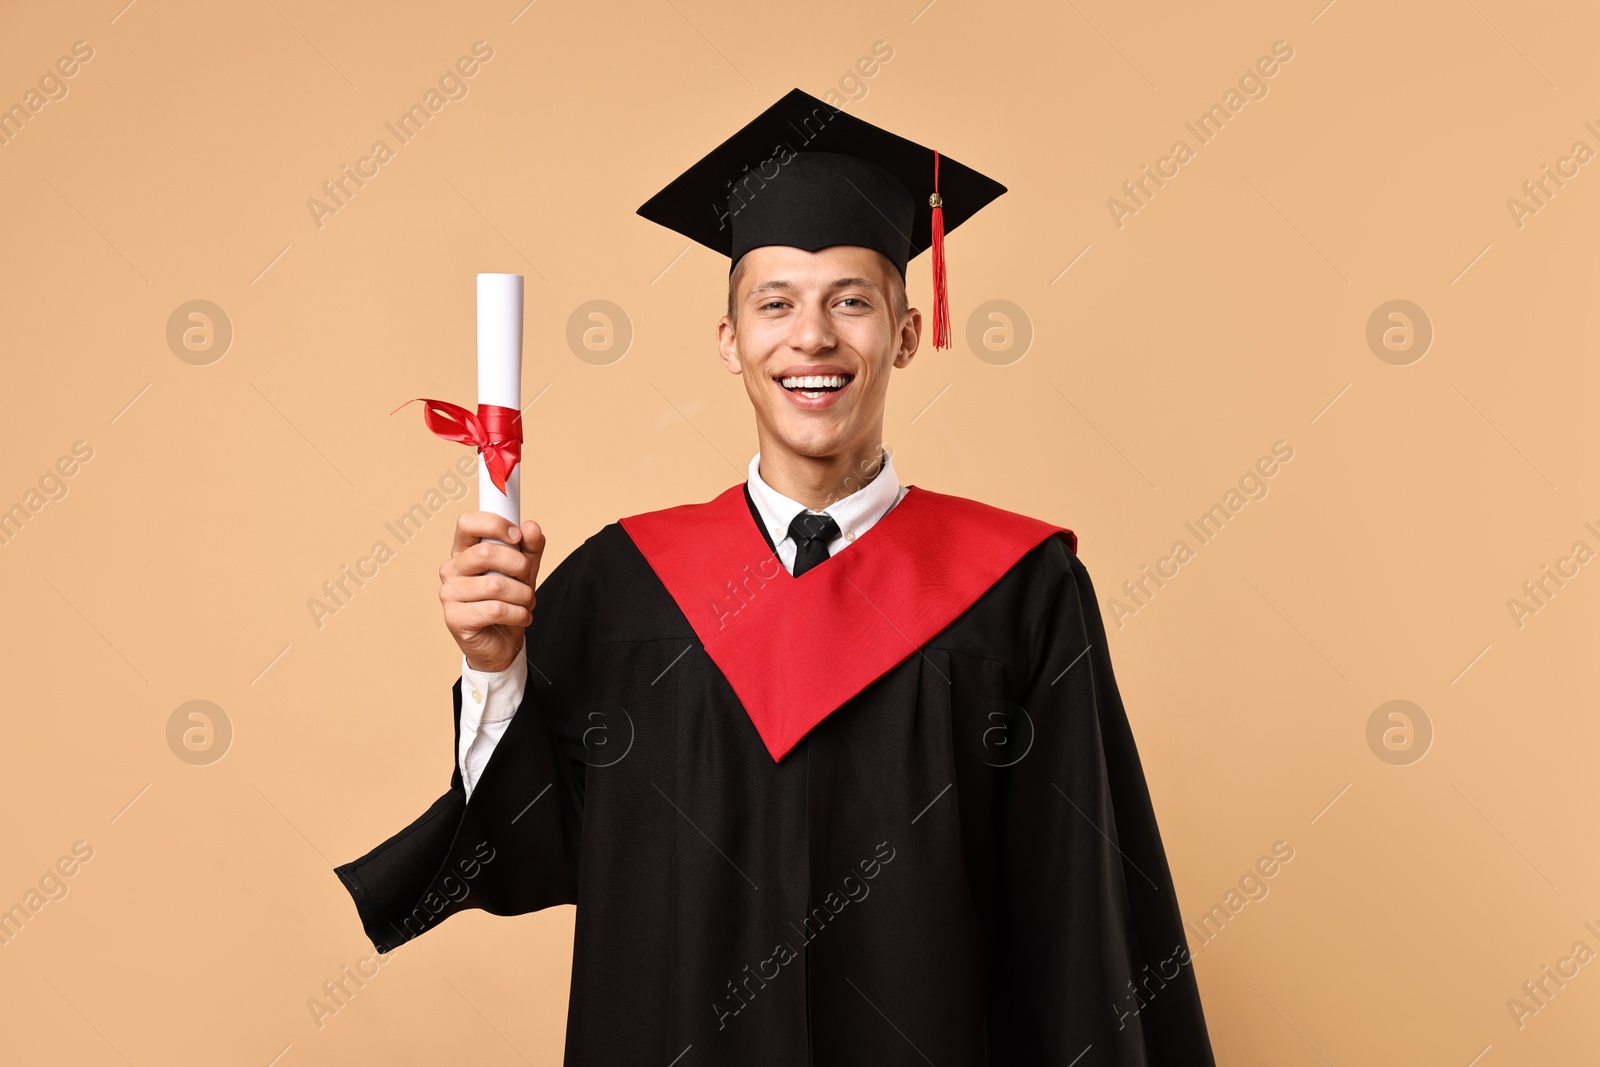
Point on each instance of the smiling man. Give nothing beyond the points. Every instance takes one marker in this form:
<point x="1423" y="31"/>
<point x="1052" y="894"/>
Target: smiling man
<point x="815" y="335"/>
<point x="834" y="768"/>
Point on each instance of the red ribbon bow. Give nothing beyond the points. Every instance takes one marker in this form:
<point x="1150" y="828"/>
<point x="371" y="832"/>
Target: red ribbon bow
<point x="495" y="431"/>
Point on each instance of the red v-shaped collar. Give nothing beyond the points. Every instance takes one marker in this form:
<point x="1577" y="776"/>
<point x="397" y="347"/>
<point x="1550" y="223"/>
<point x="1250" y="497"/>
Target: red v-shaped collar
<point x="795" y="649"/>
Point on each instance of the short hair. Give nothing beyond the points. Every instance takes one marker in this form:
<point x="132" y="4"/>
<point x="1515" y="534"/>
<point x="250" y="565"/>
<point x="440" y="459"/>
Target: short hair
<point x="898" y="300"/>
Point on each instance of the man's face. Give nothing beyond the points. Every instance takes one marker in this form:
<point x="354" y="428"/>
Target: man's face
<point x="824" y="314"/>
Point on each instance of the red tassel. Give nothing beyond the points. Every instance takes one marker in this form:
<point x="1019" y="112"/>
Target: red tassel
<point x="941" y="284"/>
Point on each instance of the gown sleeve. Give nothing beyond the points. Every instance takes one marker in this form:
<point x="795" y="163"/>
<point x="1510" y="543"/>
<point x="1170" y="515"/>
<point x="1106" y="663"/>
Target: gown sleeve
<point x="1091" y="945"/>
<point x="513" y="848"/>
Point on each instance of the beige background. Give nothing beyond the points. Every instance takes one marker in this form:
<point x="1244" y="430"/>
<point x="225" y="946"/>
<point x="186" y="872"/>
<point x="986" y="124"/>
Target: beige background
<point x="1228" y="313"/>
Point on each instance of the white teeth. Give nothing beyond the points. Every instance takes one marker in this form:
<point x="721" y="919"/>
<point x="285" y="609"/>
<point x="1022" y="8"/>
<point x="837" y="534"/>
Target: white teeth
<point x="814" y="381"/>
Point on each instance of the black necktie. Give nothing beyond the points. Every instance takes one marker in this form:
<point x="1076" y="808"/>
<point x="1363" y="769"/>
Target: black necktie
<point x="811" y="533"/>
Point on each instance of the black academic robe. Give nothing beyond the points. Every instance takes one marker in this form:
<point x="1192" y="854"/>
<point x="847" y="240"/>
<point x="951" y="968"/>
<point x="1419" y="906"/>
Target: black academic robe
<point x="958" y="865"/>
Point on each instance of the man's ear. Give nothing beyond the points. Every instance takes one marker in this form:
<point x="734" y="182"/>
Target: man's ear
<point x="727" y="345"/>
<point x="910" y="338"/>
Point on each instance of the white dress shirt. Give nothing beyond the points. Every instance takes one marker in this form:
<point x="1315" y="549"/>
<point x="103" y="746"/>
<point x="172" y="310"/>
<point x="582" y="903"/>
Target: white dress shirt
<point x="489" y="699"/>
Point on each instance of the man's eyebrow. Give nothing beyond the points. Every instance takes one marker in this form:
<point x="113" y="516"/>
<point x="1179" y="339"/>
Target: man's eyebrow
<point x="781" y="284"/>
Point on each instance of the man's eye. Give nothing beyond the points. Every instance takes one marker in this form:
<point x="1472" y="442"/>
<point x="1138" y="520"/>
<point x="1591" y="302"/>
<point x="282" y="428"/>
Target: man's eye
<point x="772" y="304"/>
<point x="856" y="299"/>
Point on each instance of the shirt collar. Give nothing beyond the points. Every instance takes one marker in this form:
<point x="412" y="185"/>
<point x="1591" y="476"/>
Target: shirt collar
<point x="862" y="507"/>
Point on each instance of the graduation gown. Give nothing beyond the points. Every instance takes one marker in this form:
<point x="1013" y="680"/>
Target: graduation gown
<point x="888" y="812"/>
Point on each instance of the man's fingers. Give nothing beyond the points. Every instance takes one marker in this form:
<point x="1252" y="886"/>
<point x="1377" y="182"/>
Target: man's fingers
<point x="532" y="538"/>
<point x="474" y="526"/>
<point x="480" y="615"/>
<point x="533" y="548"/>
<point x="484" y="557"/>
<point x="488" y="587"/>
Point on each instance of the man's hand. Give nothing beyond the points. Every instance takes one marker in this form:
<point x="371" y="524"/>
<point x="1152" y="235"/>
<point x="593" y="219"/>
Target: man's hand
<point x="487" y="589"/>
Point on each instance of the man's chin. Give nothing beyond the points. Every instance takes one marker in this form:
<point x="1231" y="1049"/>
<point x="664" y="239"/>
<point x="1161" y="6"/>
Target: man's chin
<point x="811" y="445"/>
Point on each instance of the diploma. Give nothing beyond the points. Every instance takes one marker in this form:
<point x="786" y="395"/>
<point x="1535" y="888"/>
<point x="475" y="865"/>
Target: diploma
<point x="495" y="429"/>
<point x="500" y="379"/>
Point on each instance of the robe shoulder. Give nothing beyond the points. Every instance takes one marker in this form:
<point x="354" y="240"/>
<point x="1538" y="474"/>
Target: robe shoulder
<point x="1044" y="596"/>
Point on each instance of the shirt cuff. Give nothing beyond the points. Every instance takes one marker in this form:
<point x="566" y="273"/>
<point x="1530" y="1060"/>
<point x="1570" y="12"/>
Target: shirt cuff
<point x="492" y="696"/>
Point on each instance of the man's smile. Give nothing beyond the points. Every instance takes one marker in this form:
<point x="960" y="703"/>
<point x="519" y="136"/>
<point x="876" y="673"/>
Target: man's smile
<point x="813" y="387"/>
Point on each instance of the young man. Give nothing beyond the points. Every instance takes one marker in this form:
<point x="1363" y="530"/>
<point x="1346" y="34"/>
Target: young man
<point x="834" y="769"/>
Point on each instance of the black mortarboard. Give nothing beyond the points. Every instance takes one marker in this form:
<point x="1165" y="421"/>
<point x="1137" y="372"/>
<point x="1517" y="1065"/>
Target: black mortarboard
<point x="804" y="173"/>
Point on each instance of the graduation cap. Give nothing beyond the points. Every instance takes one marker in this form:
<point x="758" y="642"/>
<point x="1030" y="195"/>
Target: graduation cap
<point x="804" y="173"/>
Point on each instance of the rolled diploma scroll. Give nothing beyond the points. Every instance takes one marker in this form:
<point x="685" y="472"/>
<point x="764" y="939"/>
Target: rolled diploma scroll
<point x="500" y="378"/>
